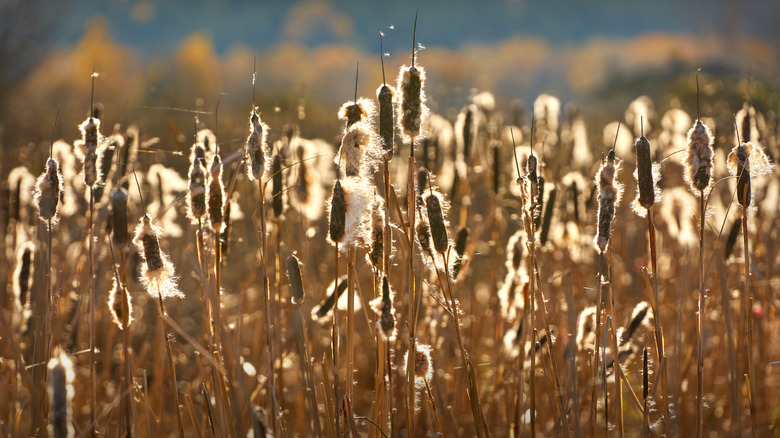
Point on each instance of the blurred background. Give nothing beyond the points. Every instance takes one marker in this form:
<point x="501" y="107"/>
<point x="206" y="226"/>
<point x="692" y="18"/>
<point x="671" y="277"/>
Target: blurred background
<point x="153" y="56"/>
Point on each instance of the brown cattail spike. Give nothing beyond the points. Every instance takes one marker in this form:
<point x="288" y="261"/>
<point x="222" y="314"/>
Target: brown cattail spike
<point x="548" y="214"/>
<point x="255" y="146"/>
<point x="698" y="159"/>
<point x="412" y="104"/>
<point x="338" y="213"/>
<point x="385" y="95"/>
<point x="460" y="249"/>
<point x="610" y="192"/>
<point x="326" y="306"/>
<point x="157" y="274"/>
<point x="424" y="236"/>
<point x="375" y="256"/>
<point x="644" y="169"/>
<point x="294" y="276"/>
<point x="87" y="147"/>
<point x="216" y="193"/>
<point x="61" y="394"/>
<point x="48" y="190"/>
<point x="276" y="186"/>
<point x="743" y="177"/>
<point x="118" y="301"/>
<point x="119" y="217"/>
<point x="196" y="197"/>
<point x="438" y="227"/>
<point x="23" y="273"/>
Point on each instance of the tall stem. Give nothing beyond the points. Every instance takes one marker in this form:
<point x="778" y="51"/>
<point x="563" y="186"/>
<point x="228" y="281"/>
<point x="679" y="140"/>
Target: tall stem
<point x="92" y="300"/>
<point x="659" y="340"/>
<point x="335" y="333"/>
<point x="700" y="327"/>
<point x="411" y="209"/>
<point x="350" y="321"/>
<point x="266" y="300"/>
<point x="174" y="385"/>
<point x="747" y="313"/>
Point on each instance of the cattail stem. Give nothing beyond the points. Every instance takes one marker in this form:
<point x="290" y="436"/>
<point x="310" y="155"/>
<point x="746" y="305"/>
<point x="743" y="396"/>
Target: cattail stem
<point x="350" y="321"/>
<point x="93" y="300"/>
<point x="596" y="374"/>
<point x="616" y="350"/>
<point x="747" y="313"/>
<point x="411" y="214"/>
<point x="335" y="333"/>
<point x="700" y="328"/>
<point x="659" y="341"/>
<point x="529" y="225"/>
<point x="129" y="417"/>
<point x="174" y="385"/>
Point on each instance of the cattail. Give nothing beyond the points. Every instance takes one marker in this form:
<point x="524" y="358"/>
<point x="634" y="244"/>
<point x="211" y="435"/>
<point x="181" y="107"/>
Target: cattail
<point x="423" y="232"/>
<point x="586" y="329"/>
<point x="196" y="197"/>
<point x="216" y="193"/>
<point x="386" y="95"/>
<point x="255" y="146"/>
<point x="375" y="256"/>
<point x="87" y="149"/>
<point x="119" y="216"/>
<point x="276" y="186"/>
<point x="533" y="178"/>
<point x="423" y="366"/>
<point x="610" y="192"/>
<point x="548" y="213"/>
<point x="23" y="273"/>
<point x="48" y="190"/>
<point x="105" y="160"/>
<point x="224" y="233"/>
<point x="496" y="149"/>
<point x="698" y="158"/>
<point x="539" y="204"/>
<point x="412" y="108"/>
<point x="129" y="150"/>
<point x="325" y="307"/>
<point x="460" y="249"/>
<point x="732" y="238"/>
<point x="647" y="175"/>
<point x="157" y="274"/>
<point x="465" y="129"/>
<point x="294" y="276"/>
<point x="338" y="213"/>
<point x="360" y="110"/>
<point x="308" y="191"/>
<point x="746" y="161"/>
<point x="540" y="343"/>
<point x="383" y="306"/>
<point x="118" y="301"/>
<point x="438" y="226"/>
<point x="358" y="152"/>
<point x="640" y="317"/>
<point x="61" y="394"/>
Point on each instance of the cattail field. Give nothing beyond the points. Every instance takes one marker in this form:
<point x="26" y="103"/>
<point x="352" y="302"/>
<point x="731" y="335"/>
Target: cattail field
<point x="408" y="262"/>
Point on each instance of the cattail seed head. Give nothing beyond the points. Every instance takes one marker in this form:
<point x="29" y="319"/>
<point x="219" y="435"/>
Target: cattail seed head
<point x="358" y="152"/>
<point x="361" y="110"/>
<point x="23" y="273"/>
<point x="276" y="186"/>
<point x="216" y="193"/>
<point x="424" y="236"/>
<point x="746" y="161"/>
<point x="610" y="192"/>
<point x="157" y="275"/>
<point x="196" y="197"/>
<point x="338" y="214"/>
<point x="644" y="167"/>
<point x="460" y="250"/>
<point x="333" y="294"/>
<point x="412" y="108"/>
<point x="61" y="393"/>
<point x="48" y="189"/>
<point x="533" y="178"/>
<point x="120" y="306"/>
<point x="698" y="158"/>
<point x="255" y="146"/>
<point x="423" y="366"/>
<point x="383" y="307"/>
<point x="586" y="329"/>
<point x="642" y="316"/>
<point x="548" y="214"/>
<point x="386" y="95"/>
<point x="438" y="227"/>
<point x="376" y="255"/>
<point x="294" y="276"/>
<point x="87" y="149"/>
<point x="119" y="217"/>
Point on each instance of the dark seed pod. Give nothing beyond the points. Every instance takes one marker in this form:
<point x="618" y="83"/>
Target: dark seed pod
<point x="575" y="196"/>
<point x="539" y="204"/>
<point x="438" y="229"/>
<point x="151" y="247"/>
<point x="338" y="213"/>
<point x="106" y="160"/>
<point x="644" y="170"/>
<point x="736" y="227"/>
<point x="330" y="301"/>
<point x="276" y="186"/>
<point x="385" y="95"/>
<point x="468" y="136"/>
<point x="23" y="273"/>
<point x="376" y="255"/>
<point x="548" y="213"/>
<point x="743" y="177"/>
<point x="61" y="392"/>
<point x="47" y="191"/>
<point x="119" y="217"/>
<point x="422" y="181"/>
<point x="196" y="197"/>
<point x="386" y="321"/>
<point x="609" y="195"/>
<point x="216" y="193"/>
<point x="224" y="234"/>
<point x="294" y="276"/>
<point x="460" y="249"/>
<point x="410" y="82"/>
<point x="532" y="177"/>
<point x="496" y="148"/>
<point x="638" y="318"/>
<point x="87" y="146"/>
<point x="424" y="237"/>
